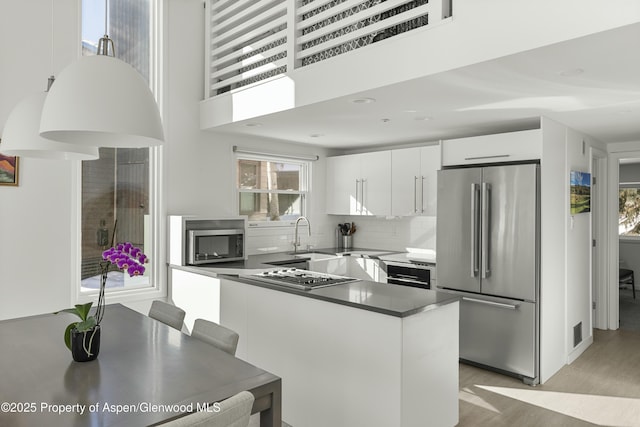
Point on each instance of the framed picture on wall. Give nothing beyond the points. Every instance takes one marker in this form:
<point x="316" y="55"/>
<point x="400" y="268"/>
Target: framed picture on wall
<point x="580" y="192"/>
<point x="8" y="170"/>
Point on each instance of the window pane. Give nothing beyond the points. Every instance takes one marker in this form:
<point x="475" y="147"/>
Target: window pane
<point x="116" y="186"/>
<point x="270" y="206"/>
<point x="629" y="212"/>
<point x="266" y="175"/>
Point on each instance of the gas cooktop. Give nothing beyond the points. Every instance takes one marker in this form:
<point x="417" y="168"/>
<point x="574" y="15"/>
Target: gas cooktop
<point x="298" y="279"/>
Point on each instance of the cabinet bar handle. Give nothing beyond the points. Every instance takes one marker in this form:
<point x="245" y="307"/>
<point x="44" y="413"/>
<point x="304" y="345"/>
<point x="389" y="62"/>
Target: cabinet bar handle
<point x="422" y="194"/>
<point x="499" y="156"/>
<point x="415" y="194"/>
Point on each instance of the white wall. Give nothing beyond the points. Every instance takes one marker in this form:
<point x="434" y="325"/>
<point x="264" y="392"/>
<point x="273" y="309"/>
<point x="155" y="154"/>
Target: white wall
<point x="566" y="250"/>
<point x="554" y="200"/>
<point x="579" y="294"/>
<point x="36" y="217"/>
<point x="479" y="31"/>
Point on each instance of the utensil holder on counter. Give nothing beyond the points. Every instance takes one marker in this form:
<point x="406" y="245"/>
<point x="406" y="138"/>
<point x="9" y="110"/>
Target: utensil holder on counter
<point x="347" y="242"/>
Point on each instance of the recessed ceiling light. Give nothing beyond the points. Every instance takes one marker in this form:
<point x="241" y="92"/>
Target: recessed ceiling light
<point x="571" y="72"/>
<point x="385" y="120"/>
<point x="253" y="125"/>
<point x="363" y="100"/>
<point x="423" y="118"/>
<point x="410" y="111"/>
<point x="316" y="135"/>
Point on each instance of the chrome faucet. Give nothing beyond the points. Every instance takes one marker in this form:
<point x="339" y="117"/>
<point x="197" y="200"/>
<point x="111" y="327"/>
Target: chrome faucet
<point x="296" y="238"/>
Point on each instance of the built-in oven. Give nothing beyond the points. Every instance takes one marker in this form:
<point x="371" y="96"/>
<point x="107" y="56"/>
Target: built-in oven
<point x="414" y="273"/>
<point x="218" y="245"/>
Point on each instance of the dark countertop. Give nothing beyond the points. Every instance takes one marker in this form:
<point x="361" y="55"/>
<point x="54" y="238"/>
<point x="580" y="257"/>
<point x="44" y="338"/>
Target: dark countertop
<point x="392" y="300"/>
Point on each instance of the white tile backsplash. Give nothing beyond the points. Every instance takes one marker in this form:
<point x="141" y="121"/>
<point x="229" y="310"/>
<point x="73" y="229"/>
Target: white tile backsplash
<point x="261" y="240"/>
<point x="397" y="234"/>
<point x="394" y="234"/>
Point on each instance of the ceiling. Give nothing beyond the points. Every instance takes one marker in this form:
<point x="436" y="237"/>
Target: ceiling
<point x="591" y="84"/>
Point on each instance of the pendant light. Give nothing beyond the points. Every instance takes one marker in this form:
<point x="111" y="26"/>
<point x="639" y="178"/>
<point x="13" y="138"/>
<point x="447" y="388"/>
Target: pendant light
<point x="21" y="135"/>
<point x="101" y="101"/>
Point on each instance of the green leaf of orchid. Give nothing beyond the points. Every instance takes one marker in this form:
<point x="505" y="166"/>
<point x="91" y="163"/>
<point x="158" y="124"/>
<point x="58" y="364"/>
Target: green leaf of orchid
<point x="83" y="310"/>
<point x="69" y="310"/>
<point x="67" y="335"/>
<point x="86" y="325"/>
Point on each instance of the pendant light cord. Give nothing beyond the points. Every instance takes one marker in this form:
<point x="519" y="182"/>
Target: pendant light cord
<point x="105" y="42"/>
<point x="51" y="77"/>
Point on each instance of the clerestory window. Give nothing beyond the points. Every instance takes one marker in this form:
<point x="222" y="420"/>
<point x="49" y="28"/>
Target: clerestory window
<point x="119" y="186"/>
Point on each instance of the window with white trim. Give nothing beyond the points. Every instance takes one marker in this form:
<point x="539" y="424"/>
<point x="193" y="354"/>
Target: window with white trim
<point x="629" y="210"/>
<point x="271" y="190"/>
<point x="120" y="184"/>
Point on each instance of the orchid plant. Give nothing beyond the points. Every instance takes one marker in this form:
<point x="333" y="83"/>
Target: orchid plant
<point x="125" y="257"/>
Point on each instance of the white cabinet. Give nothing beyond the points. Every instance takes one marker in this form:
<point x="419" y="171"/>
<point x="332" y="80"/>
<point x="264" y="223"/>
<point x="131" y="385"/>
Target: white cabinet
<point x="198" y="295"/>
<point x="503" y="147"/>
<point x="359" y="184"/>
<point x="414" y="180"/>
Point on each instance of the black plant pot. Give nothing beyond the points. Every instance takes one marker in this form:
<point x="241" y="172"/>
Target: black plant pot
<point x="85" y="346"/>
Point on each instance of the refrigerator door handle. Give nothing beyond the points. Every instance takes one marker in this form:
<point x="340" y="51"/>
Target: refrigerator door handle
<point x="363" y="206"/>
<point x="474" y="230"/>
<point x="422" y="208"/>
<point x="415" y="194"/>
<point x="492" y="303"/>
<point x="486" y="215"/>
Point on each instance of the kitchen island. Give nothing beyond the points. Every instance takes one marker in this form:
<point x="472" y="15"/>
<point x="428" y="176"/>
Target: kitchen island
<point x="359" y="353"/>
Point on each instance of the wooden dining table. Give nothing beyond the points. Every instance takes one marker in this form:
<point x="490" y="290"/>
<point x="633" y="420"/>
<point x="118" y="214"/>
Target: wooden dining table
<point x="146" y="373"/>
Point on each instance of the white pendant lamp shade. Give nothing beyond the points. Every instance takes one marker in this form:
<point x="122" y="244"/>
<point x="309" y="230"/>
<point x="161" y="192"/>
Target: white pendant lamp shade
<point x="101" y="101"/>
<point x="21" y="135"/>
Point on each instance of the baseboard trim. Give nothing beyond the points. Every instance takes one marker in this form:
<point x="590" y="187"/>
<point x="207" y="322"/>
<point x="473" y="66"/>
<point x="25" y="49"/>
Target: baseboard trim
<point x="573" y="355"/>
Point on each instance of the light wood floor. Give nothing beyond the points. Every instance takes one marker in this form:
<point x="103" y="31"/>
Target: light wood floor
<point x="602" y="387"/>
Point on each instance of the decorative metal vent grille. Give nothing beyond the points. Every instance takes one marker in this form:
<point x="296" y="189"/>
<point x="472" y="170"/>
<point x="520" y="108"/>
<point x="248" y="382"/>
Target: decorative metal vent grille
<point x="359" y="42"/>
<point x="350" y="45"/>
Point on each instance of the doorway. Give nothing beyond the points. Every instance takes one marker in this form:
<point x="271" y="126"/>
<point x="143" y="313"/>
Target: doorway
<point x="628" y="243"/>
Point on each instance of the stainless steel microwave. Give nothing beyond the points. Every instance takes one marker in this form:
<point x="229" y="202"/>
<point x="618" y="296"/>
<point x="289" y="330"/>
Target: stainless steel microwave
<point x="210" y="246"/>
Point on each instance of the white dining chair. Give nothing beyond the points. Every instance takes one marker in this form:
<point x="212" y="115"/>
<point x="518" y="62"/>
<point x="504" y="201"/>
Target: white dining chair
<point x="168" y="314"/>
<point x="232" y="412"/>
<point x="217" y="335"/>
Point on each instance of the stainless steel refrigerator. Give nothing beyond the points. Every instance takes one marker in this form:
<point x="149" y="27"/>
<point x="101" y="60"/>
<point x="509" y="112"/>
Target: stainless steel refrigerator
<point x="488" y="248"/>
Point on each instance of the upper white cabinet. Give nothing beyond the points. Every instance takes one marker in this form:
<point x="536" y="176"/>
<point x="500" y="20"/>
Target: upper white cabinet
<point x="414" y="180"/>
<point x="503" y="147"/>
<point x="359" y="184"/>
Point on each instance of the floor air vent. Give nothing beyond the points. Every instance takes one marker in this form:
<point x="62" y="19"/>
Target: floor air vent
<point x="577" y="334"/>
